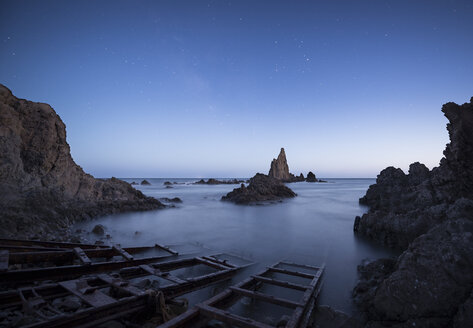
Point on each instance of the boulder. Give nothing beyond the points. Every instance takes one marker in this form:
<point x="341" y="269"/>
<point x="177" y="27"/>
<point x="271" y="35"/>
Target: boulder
<point x="145" y="183"/>
<point x="261" y="188"/>
<point x="43" y="190"/>
<point x="99" y="230"/>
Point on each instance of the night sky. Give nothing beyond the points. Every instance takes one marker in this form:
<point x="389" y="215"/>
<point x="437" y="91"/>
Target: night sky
<point x="216" y="88"/>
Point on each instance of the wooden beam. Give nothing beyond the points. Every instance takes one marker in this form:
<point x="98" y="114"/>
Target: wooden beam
<point x="167" y="249"/>
<point x="212" y="264"/>
<point x="122" y="252"/>
<point x="292" y="273"/>
<point x="297" y="265"/>
<point x="221" y="262"/>
<point x="4" y="260"/>
<point x="230" y="318"/>
<point x="164" y="275"/>
<point x="88" y="294"/>
<point x="266" y="298"/>
<point x="84" y="259"/>
<point x="281" y="283"/>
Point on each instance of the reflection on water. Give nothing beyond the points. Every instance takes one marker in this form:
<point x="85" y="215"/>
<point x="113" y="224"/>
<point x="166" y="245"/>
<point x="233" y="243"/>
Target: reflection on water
<point x="314" y="228"/>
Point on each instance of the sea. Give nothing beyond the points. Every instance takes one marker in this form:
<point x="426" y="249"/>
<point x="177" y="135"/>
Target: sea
<point x="314" y="228"/>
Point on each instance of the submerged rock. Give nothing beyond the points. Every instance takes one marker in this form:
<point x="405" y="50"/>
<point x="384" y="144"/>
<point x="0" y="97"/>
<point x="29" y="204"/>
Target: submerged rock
<point x="145" y="183"/>
<point x="99" y="230"/>
<point x="171" y="200"/>
<point x="429" y="215"/>
<point x="262" y="188"/>
<point x="43" y="190"/>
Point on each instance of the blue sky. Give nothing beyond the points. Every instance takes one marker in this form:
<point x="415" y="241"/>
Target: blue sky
<point x="216" y="88"/>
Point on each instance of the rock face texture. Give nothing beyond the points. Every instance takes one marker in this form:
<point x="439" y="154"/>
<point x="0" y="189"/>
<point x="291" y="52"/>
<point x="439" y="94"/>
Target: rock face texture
<point x="42" y="189"/>
<point x="262" y="188"/>
<point x="311" y="177"/>
<point x="279" y="169"/>
<point x="429" y="215"/>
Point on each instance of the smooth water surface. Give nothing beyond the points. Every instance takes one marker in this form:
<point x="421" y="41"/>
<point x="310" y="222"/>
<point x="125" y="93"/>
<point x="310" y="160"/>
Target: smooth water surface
<point x="314" y="228"/>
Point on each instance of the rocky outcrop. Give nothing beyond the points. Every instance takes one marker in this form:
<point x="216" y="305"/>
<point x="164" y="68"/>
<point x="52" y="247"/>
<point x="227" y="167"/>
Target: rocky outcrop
<point x="42" y="188"/>
<point x="261" y="188"/>
<point x="279" y="169"/>
<point x="311" y="177"/>
<point x="145" y="183"/>
<point x="429" y="215"/>
<point x="212" y="181"/>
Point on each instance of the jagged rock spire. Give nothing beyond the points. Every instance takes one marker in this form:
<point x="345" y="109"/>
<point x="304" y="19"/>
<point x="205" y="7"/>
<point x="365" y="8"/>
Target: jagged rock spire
<point x="279" y="168"/>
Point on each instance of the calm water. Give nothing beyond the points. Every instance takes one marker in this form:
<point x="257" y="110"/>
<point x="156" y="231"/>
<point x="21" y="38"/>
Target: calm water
<point x="314" y="228"/>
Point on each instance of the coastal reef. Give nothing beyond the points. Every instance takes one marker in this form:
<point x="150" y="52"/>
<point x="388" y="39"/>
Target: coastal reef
<point x="43" y="190"/>
<point x="262" y="188"/>
<point x="428" y="214"/>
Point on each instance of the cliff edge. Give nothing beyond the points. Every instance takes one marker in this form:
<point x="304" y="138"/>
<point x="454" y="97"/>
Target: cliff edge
<point x="42" y="189"/>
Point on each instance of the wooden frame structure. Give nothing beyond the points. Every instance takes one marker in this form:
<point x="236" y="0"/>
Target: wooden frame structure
<point x="102" y="306"/>
<point x="68" y="260"/>
<point x="215" y="308"/>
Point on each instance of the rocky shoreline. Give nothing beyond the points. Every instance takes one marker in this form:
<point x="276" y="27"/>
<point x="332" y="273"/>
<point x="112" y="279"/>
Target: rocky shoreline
<point x="428" y="215"/>
<point x="43" y="190"/>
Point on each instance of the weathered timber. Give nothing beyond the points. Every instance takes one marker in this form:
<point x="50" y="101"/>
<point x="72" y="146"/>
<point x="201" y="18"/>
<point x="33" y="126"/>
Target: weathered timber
<point x="84" y="259"/>
<point x="50" y="244"/>
<point x="123" y="253"/>
<point x="105" y="307"/>
<point x="4" y="255"/>
<point x="214" y="308"/>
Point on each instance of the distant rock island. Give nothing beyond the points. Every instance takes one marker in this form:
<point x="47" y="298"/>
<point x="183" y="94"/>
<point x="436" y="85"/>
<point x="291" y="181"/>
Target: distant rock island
<point x="42" y="189"/>
<point x="262" y="188"/>
<point x="428" y="214"/>
<point x="218" y="182"/>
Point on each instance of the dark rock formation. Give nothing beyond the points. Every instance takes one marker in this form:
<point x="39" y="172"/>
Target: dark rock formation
<point x="133" y="183"/>
<point x="212" y="181"/>
<point x="99" y="230"/>
<point x="311" y="177"/>
<point x="171" y="200"/>
<point x="42" y="189"/>
<point x="279" y="169"/>
<point x="145" y="183"/>
<point x="262" y="188"/>
<point x="428" y="214"/>
<point x="167" y="183"/>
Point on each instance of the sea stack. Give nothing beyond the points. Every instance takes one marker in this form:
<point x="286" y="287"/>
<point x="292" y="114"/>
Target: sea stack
<point x="279" y="169"/>
<point x="43" y="190"/>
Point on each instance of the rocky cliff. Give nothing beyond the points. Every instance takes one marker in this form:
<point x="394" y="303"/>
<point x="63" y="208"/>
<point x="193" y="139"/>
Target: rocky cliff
<point x="429" y="215"/>
<point x="279" y="169"/>
<point x="42" y="189"/>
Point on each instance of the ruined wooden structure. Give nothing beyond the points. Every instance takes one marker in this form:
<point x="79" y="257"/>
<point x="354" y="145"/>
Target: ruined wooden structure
<point x="217" y="307"/>
<point x="112" y="295"/>
<point x="59" y="261"/>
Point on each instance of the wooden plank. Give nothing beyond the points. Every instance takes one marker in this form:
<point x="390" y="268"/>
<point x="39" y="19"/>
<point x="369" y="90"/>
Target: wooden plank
<point x="72" y="271"/>
<point x="167" y="249"/>
<point x="84" y="259"/>
<point x="164" y="275"/>
<point x="266" y="298"/>
<point x="121" y="284"/>
<point x="281" y="283"/>
<point x="300" y="317"/>
<point x="122" y="252"/>
<point x="292" y="273"/>
<point x="224" y="262"/>
<point x="90" y="295"/>
<point x="4" y="260"/>
<point x="297" y="265"/>
<point x="230" y="318"/>
<point x="21" y="242"/>
<point x="212" y="264"/>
